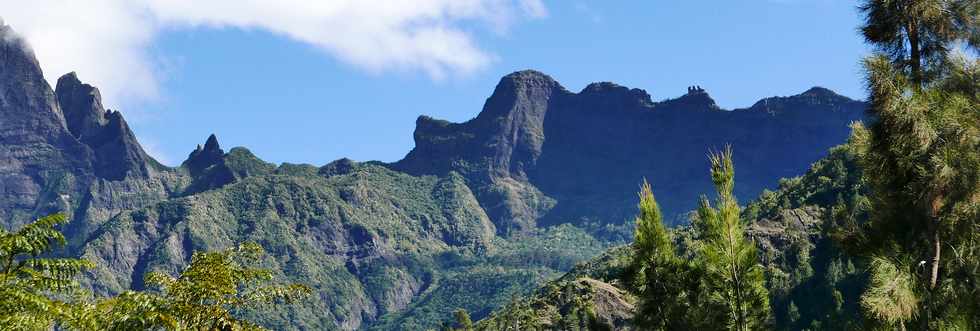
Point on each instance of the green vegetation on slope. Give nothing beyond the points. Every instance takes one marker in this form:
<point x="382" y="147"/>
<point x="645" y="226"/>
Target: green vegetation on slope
<point x="792" y="228"/>
<point x="379" y="248"/>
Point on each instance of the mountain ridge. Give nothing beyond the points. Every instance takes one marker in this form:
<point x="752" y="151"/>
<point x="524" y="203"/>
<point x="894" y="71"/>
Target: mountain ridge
<point x="506" y="199"/>
<point x="534" y="140"/>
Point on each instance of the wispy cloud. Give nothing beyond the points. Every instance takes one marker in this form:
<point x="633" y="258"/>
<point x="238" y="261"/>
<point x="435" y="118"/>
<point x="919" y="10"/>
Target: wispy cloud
<point x="107" y="41"/>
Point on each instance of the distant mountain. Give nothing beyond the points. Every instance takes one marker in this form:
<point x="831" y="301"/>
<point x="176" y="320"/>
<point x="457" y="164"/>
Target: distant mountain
<point x="466" y="220"/>
<point x="540" y="155"/>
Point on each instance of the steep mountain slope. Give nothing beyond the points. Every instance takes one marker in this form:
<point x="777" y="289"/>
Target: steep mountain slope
<point x="366" y="241"/>
<point x="61" y="151"/>
<point x="539" y="154"/>
<point x="477" y="213"/>
<point x="793" y="228"/>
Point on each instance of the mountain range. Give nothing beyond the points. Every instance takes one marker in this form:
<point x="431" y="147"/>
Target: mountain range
<point x="476" y="213"/>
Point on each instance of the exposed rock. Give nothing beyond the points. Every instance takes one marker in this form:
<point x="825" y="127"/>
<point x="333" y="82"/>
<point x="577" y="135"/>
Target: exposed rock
<point x="117" y="152"/>
<point x="202" y="158"/>
<point x="91" y="168"/>
<point x="539" y="154"/>
<point x="211" y="168"/>
<point x="36" y="149"/>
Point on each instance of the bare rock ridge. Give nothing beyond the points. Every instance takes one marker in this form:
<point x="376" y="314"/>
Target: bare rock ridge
<point x="539" y="154"/>
<point x="204" y="157"/>
<point x="33" y="135"/>
<point x="118" y="154"/>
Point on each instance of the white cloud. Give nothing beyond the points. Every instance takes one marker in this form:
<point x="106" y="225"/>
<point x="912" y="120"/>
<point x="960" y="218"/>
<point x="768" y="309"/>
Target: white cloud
<point x="106" y="41"/>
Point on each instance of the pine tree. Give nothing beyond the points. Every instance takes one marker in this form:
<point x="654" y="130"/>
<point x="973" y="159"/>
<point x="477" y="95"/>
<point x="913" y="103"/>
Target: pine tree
<point x="660" y="274"/>
<point x="27" y="280"/>
<point x="463" y="321"/>
<point x="919" y="34"/>
<point x="922" y="164"/>
<point x="920" y="158"/>
<point x="734" y="279"/>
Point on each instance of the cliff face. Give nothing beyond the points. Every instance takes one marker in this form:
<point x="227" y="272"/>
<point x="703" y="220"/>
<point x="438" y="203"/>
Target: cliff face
<point x="539" y="154"/>
<point x="457" y="223"/>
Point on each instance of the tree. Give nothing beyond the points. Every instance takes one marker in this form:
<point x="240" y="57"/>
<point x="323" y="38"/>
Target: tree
<point x="921" y="161"/>
<point x="27" y="280"/>
<point x="891" y="297"/>
<point x="203" y="297"/>
<point x="659" y="272"/>
<point x="463" y="321"/>
<point x="733" y="277"/>
<point x="918" y="34"/>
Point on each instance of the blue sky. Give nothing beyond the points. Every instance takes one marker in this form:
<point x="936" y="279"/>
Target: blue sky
<point x="291" y="101"/>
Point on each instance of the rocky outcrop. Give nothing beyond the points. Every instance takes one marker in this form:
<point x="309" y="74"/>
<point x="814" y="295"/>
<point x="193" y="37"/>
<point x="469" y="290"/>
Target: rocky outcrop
<point x="61" y="152"/>
<point x="117" y="152"/>
<point x="539" y="154"/>
<point x="38" y="154"/>
<point x="211" y="168"/>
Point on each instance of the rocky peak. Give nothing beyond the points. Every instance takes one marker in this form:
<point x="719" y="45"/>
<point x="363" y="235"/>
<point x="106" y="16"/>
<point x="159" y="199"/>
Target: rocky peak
<point x="28" y="111"/>
<point x="522" y="93"/>
<point x="204" y="157"/>
<point x="538" y="153"/>
<point x="211" y="145"/>
<point x="82" y="106"/>
<point x="117" y="152"/>
<point x="695" y="99"/>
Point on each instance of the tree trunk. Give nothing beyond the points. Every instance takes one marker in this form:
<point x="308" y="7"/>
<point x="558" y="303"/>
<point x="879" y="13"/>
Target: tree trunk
<point x="915" y="55"/>
<point x="936" y="252"/>
<point x="934" y="206"/>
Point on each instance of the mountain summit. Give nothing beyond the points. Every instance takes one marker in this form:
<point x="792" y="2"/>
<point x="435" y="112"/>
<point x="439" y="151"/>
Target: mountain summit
<point x="539" y="154"/>
<point x="391" y="246"/>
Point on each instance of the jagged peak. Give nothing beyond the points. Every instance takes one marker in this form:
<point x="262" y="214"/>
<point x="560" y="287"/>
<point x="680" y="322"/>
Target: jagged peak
<point x="81" y="105"/>
<point x="212" y="143"/>
<point x="696" y="98"/>
<point x="203" y="157"/>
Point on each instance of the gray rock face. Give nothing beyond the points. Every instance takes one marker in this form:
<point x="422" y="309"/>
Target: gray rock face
<point x="36" y="149"/>
<point x="62" y="152"/>
<point x="82" y="105"/>
<point x="117" y="153"/>
<point x="204" y="157"/>
<point x="538" y="153"/>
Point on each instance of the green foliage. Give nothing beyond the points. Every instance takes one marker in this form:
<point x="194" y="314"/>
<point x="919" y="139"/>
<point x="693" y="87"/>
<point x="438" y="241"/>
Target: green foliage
<point x="917" y="35"/>
<point x="662" y="279"/>
<point x="651" y="242"/>
<point x="802" y="232"/>
<point x="566" y="304"/>
<point x="205" y="296"/>
<point x="734" y="279"/>
<point x="28" y="281"/>
<point x="891" y="295"/>
<point x="463" y="321"/>
<point x="921" y="161"/>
